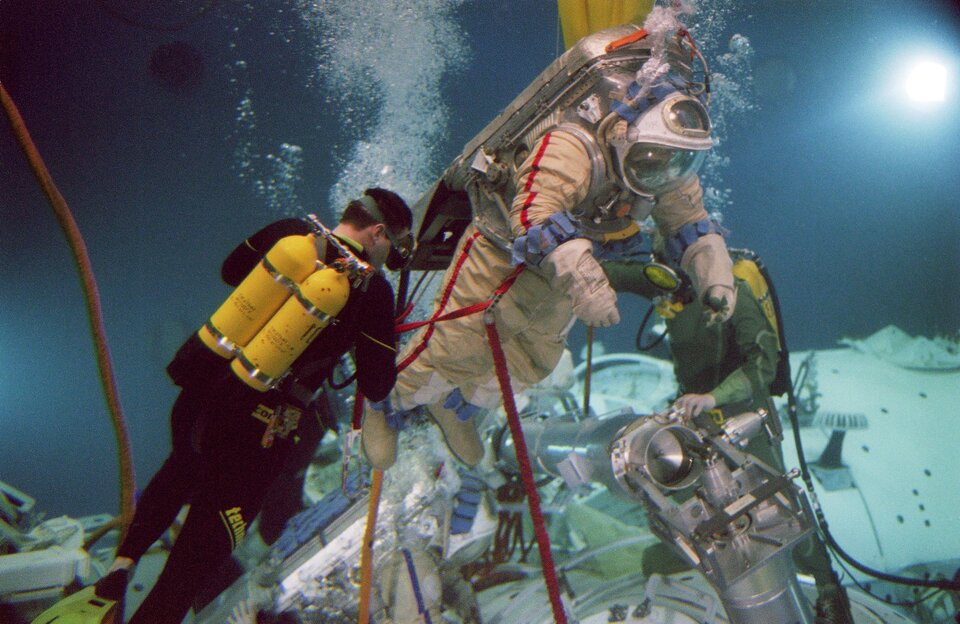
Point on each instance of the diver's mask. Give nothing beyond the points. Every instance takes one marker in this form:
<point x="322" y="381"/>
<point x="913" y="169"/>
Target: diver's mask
<point x="401" y="249"/>
<point x="664" y="146"/>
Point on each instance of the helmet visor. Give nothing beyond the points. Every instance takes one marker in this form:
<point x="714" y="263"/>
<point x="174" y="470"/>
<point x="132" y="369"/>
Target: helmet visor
<point x="649" y="168"/>
<point x="687" y="117"/>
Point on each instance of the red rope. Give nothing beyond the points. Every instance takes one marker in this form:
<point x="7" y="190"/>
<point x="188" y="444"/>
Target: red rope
<point x="443" y="302"/>
<point x="526" y="472"/>
<point x="465" y="311"/>
<point x="437" y="317"/>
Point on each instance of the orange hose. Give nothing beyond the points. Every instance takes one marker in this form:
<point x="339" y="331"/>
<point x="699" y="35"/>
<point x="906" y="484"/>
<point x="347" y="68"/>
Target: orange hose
<point x="622" y="41"/>
<point x="366" y="552"/>
<point x="92" y="297"/>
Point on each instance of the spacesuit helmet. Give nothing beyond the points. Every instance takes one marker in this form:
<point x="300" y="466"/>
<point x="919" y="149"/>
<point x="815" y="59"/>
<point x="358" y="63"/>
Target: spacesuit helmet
<point x="663" y="146"/>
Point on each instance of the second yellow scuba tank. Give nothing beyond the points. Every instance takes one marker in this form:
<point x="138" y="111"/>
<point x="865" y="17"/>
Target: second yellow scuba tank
<point x="285" y="301"/>
<point x="258" y="297"/>
<point x="268" y="355"/>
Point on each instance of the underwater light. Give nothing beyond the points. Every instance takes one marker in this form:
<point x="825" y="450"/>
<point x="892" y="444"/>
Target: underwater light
<point x="927" y="82"/>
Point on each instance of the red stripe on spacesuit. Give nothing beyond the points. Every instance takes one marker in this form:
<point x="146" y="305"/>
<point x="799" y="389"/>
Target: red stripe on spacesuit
<point x="443" y="302"/>
<point x="534" y="168"/>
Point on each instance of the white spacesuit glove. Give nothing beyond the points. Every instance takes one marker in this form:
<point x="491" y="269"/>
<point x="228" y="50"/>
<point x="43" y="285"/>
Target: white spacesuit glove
<point x="579" y="273"/>
<point x="710" y="268"/>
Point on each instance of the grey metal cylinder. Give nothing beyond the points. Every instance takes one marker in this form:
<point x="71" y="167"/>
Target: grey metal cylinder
<point x="550" y="442"/>
<point x="771" y="594"/>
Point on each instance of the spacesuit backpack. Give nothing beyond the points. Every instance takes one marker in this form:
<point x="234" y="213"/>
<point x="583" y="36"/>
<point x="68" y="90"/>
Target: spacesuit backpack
<point x="628" y="96"/>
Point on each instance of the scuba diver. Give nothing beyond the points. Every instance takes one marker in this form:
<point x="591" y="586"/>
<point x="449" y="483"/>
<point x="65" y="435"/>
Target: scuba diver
<point x="725" y="369"/>
<point x="237" y="418"/>
<point x="612" y="133"/>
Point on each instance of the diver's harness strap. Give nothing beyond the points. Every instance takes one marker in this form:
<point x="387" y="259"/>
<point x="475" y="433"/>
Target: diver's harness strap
<point x="677" y="244"/>
<point x="358" y="271"/>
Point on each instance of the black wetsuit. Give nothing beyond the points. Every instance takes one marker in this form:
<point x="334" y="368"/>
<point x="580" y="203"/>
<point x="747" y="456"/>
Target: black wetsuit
<point x="218" y="464"/>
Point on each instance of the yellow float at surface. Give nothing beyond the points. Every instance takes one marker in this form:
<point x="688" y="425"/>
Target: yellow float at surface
<point x="287" y="334"/>
<point x="291" y="260"/>
<point x="580" y="18"/>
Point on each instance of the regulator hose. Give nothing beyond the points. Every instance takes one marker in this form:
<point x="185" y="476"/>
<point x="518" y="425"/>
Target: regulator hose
<point x="92" y="297"/>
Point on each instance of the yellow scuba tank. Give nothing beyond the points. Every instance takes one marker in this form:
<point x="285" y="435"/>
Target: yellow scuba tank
<point x="746" y="269"/>
<point x="291" y="260"/>
<point x="268" y="355"/>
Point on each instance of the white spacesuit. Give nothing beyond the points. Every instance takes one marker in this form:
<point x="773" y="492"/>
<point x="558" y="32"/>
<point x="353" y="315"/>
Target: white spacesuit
<point x="612" y="133"/>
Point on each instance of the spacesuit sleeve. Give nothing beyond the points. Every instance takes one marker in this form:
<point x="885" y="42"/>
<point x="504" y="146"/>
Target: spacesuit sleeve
<point x="554" y="177"/>
<point x="759" y="352"/>
<point x="706" y="260"/>
<point x="679" y="207"/>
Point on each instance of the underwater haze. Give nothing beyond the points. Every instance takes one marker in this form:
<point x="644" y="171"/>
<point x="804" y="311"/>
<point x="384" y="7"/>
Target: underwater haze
<point x="175" y="129"/>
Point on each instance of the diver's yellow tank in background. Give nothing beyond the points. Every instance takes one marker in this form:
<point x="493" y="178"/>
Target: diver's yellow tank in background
<point x="287" y="334"/>
<point x="580" y="18"/>
<point x="258" y="297"/>
<point x="748" y="271"/>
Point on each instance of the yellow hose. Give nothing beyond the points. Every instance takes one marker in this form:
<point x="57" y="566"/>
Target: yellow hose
<point x="366" y="552"/>
<point x="92" y="297"/>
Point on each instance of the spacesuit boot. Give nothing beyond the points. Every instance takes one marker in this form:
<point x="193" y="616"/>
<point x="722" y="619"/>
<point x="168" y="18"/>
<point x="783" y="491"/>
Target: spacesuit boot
<point x="460" y="435"/>
<point x="378" y="438"/>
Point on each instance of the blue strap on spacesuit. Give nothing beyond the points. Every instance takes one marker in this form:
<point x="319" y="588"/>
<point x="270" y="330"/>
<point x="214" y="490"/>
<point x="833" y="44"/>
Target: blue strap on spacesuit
<point x="396" y="420"/>
<point x="464" y="410"/>
<point x="656" y="94"/>
<point x="468" y="499"/>
<point x="541" y="239"/>
<point x="624" y="249"/>
<point x="677" y="244"/>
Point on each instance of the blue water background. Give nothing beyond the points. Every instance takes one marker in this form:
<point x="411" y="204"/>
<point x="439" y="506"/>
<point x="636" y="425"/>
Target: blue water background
<point x="849" y="193"/>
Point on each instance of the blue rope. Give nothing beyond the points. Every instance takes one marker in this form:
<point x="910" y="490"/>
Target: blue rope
<point x="416" y="586"/>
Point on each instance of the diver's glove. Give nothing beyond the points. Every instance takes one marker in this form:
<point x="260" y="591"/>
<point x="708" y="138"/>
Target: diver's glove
<point x="579" y="273"/>
<point x="718" y="304"/>
<point x="693" y="404"/>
